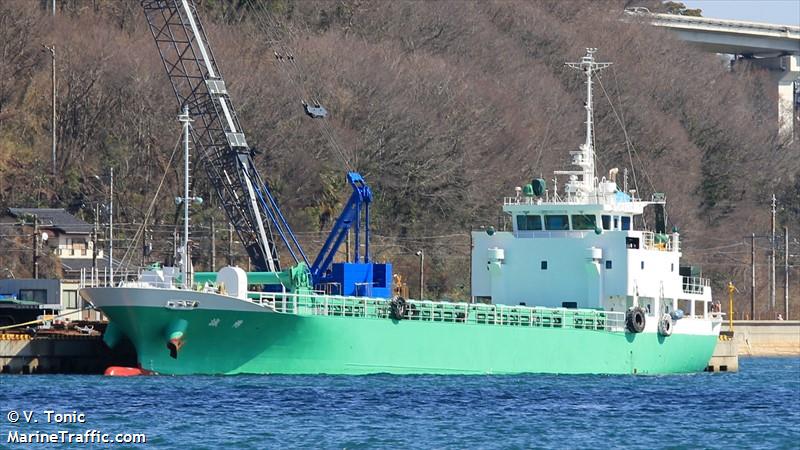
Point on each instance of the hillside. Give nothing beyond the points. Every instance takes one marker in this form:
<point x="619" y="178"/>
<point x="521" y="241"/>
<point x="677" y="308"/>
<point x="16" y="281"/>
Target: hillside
<point x="444" y="108"/>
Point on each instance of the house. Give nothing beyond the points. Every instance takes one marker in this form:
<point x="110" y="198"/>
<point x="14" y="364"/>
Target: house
<point x="73" y="241"/>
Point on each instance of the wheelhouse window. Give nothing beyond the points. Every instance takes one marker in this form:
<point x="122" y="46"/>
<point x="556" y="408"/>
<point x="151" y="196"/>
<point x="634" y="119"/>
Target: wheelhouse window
<point x="626" y="222"/>
<point x="616" y="223"/>
<point x="584" y="222"/>
<point x="33" y="295"/>
<point x="606" y="222"/>
<point x="529" y="223"/>
<point x="556" y="222"/>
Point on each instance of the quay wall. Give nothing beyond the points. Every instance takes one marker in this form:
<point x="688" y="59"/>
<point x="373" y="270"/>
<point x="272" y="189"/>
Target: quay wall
<point x="766" y="337"/>
<point x="76" y="354"/>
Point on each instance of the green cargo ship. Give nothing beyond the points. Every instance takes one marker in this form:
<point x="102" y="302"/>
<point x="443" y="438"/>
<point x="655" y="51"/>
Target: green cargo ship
<point x="610" y="298"/>
<point x="339" y="335"/>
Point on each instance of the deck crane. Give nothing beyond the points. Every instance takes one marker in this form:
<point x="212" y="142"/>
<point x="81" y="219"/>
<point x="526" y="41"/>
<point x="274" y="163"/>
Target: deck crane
<point x="228" y="161"/>
<point x="339" y="275"/>
<point x="217" y="134"/>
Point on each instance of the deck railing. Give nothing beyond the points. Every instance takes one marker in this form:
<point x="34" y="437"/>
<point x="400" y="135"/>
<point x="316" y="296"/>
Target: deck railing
<point x="603" y="199"/>
<point x="649" y="242"/>
<point x="430" y="311"/>
<point x="695" y="285"/>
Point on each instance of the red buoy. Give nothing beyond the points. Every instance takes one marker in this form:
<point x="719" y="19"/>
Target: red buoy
<point x="118" y="371"/>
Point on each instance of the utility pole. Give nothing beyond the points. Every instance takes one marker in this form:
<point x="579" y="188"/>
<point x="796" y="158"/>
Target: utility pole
<point x="145" y="242"/>
<point x="753" y="276"/>
<point x="786" y="273"/>
<point x="772" y="259"/>
<point x="111" y="228"/>
<point x="36" y="247"/>
<point x="94" y="242"/>
<point x="421" y="255"/>
<point x="230" y="244"/>
<point x="174" y="247"/>
<point x="213" y="246"/>
<point x="110" y="238"/>
<point x="53" y="122"/>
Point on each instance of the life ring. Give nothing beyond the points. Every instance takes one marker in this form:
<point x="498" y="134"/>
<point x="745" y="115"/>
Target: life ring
<point x="665" y="325"/>
<point x="398" y="308"/>
<point x="635" y="319"/>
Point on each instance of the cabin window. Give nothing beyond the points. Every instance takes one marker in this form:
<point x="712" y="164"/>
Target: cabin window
<point x="608" y="264"/>
<point x="33" y="295"/>
<point x="70" y="299"/>
<point x="642" y="265"/>
<point x="632" y="242"/>
<point x="672" y="267"/>
<point x="606" y="222"/>
<point x="584" y="222"/>
<point x="529" y="223"/>
<point x="626" y="223"/>
<point x="556" y="222"/>
<point x="544" y="265"/>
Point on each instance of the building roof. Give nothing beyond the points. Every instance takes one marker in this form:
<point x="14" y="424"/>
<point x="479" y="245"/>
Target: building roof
<point x="57" y="218"/>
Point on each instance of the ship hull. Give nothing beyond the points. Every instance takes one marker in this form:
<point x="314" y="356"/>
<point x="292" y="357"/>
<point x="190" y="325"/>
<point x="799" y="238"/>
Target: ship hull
<point x="230" y="336"/>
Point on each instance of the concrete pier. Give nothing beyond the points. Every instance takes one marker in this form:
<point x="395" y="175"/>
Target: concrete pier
<point x="66" y="354"/>
<point x="726" y="355"/>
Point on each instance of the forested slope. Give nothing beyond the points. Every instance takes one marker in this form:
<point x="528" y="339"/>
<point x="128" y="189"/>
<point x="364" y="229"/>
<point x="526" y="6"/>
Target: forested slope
<point x="444" y="107"/>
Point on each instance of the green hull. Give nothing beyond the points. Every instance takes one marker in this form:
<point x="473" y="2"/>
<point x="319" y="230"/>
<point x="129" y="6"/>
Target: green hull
<point x="278" y="343"/>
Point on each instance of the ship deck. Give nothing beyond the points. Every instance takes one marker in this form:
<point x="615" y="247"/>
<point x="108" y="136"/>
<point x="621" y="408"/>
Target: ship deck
<point x="439" y="311"/>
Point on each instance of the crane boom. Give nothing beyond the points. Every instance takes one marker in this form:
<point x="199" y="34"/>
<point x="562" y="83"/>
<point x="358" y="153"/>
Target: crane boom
<point x="217" y="134"/>
<point x="350" y="217"/>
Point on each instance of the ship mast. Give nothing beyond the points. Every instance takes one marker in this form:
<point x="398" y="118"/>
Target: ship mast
<point x="582" y="182"/>
<point x="186" y="262"/>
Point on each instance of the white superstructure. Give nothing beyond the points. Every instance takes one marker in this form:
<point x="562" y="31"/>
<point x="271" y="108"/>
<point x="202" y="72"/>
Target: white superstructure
<point x="586" y="247"/>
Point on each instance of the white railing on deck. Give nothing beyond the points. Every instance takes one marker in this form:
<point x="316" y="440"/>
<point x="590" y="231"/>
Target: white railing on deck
<point x="149" y="284"/>
<point x="695" y="285"/>
<point x="596" y="199"/>
<point x="578" y="234"/>
<point x="524" y="200"/>
<point x="649" y="242"/>
<point x="421" y="310"/>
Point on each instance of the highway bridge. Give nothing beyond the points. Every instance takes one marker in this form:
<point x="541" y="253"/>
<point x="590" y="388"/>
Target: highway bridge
<point x="772" y="46"/>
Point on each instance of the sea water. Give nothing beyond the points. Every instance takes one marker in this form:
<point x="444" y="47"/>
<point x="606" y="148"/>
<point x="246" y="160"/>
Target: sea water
<point x="755" y="408"/>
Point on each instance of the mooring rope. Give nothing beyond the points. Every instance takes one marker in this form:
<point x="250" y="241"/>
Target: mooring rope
<point x="32" y="322"/>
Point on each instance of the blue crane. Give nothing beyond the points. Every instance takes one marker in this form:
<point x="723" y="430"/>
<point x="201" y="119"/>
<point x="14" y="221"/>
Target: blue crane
<point x="359" y="277"/>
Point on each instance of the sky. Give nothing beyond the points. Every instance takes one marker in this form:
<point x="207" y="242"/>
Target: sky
<point x="784" y="12"/>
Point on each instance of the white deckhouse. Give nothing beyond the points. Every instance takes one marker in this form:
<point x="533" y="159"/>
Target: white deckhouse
<point x="581" y="249"/>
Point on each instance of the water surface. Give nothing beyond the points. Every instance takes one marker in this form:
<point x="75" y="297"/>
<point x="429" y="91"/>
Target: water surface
<point x="755" y="408"/>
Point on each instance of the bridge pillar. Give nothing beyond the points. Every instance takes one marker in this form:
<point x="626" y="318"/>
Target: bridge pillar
<point x="786" y="98"/>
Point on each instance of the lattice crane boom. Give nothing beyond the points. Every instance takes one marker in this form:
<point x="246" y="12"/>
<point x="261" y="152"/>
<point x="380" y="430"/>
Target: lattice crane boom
<point x="217" y="134"/>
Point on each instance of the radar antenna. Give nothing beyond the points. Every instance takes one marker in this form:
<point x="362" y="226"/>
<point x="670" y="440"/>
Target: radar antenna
<point x="582" y="181"/>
